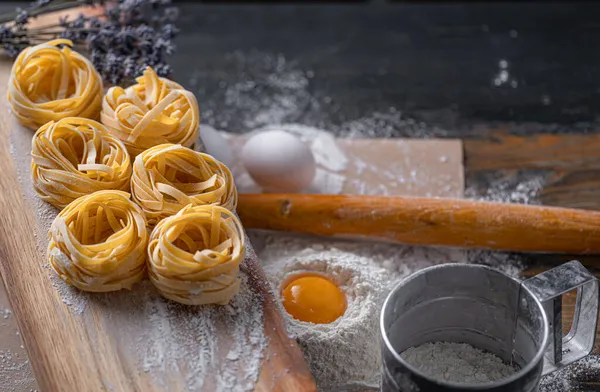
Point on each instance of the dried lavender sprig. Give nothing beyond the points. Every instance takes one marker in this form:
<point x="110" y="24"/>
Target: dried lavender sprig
<point x="129" y="36"/>
<point x="22" y="15"/>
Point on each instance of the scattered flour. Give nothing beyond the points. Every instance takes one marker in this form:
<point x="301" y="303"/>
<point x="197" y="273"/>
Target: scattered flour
<point x="387" y="124"/>
<point x="5" y="313"/>
<point x="328" y="183"/>
<point x="173" y="339"/>
<point x="266" y="89"/>
<point x="335" y="358"/>
<point x="262" y="88"/>
<point x="344" y="168"/>
<point x="457" y="362"/>
<point x="567" y="378"/>
<point x="15" y="372"/>
<point x="508" y="188"/>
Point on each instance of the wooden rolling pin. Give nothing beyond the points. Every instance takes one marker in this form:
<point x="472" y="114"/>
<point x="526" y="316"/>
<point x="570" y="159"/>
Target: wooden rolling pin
<point x="427" y="221"/>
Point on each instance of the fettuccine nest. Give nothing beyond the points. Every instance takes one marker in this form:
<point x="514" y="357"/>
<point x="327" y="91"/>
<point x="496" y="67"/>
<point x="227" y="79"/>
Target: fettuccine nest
<point x="98" y="243"/>
<point x="49" y="83"/>
<point x="75" y="157"/>
<point x="194" y="256"/>
<point x="153" y="111"/>
<point x="168" y="177"/>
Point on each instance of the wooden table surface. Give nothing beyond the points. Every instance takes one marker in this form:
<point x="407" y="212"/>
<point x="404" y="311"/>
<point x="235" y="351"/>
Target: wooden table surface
<point x="519" y="83"/>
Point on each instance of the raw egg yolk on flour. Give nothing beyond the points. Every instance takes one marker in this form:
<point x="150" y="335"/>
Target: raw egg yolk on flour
<point x="313" y="298"/>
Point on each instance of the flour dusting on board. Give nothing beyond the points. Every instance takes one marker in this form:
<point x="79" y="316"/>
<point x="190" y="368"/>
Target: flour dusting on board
<point x="158" y="337"/>
<point x="20" y="139"/>
<point x="172" y="339"/>
<point x="327" y="153"/>
<point x="15" y="372"/>
<point x="5" y="313"/>
<point x="291" y="97"/>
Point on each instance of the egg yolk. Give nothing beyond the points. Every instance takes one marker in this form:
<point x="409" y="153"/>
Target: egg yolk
<point x="314" y="299"/>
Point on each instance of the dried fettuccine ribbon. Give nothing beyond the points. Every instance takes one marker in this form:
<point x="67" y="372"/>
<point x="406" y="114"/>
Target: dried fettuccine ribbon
<point x="75" y="157"/>
<point x="153" y="111"/>
<point x="168" y="177"/>
<point x="98" y="243"/>
<point x="194" y="256"/>
<point x="48" y="83"/>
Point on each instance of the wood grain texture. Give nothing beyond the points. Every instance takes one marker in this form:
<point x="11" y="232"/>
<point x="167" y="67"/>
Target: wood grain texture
<point x="500" y="150"/>
<point x="428" y="221"/>
<point x="567" y="164"/>
<point x="92" y="351"/>
<point x="573" y="188"/>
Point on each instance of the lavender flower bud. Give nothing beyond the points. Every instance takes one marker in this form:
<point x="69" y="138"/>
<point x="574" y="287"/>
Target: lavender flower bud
<point x="40" y="3"/>
<point x="22" y="17"/>
<point x="169" y="31"/>
<point x="171" y="14"/>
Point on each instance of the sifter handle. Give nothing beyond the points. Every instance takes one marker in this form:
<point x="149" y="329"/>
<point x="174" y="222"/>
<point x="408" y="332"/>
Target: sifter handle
<point x="549" y="288"/>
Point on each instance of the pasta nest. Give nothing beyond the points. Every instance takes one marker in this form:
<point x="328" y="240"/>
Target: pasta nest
<point x="153" y="111"/>
<point x="48" y="83"/>
<point x="74" y="157"/>
<point x="168" y="177"/>
<point x="194" y="256"/>
<point x="98" y="243"/>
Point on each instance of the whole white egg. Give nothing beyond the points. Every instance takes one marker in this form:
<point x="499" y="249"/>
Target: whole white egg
<point x="278" y="161"/>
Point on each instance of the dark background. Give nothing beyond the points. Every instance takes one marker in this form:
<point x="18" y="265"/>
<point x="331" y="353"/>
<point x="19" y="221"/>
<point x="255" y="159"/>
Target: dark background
<point x="437" y="63"/>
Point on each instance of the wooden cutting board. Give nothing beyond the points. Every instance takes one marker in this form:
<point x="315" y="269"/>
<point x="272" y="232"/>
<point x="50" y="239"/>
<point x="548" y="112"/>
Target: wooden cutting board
<point x="80" y="342"/>
<point x="282" y="367"/>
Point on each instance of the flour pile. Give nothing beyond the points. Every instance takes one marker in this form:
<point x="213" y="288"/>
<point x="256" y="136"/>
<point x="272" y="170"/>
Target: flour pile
<point x="344" y="353"/>
<point x="457" y="362"/>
